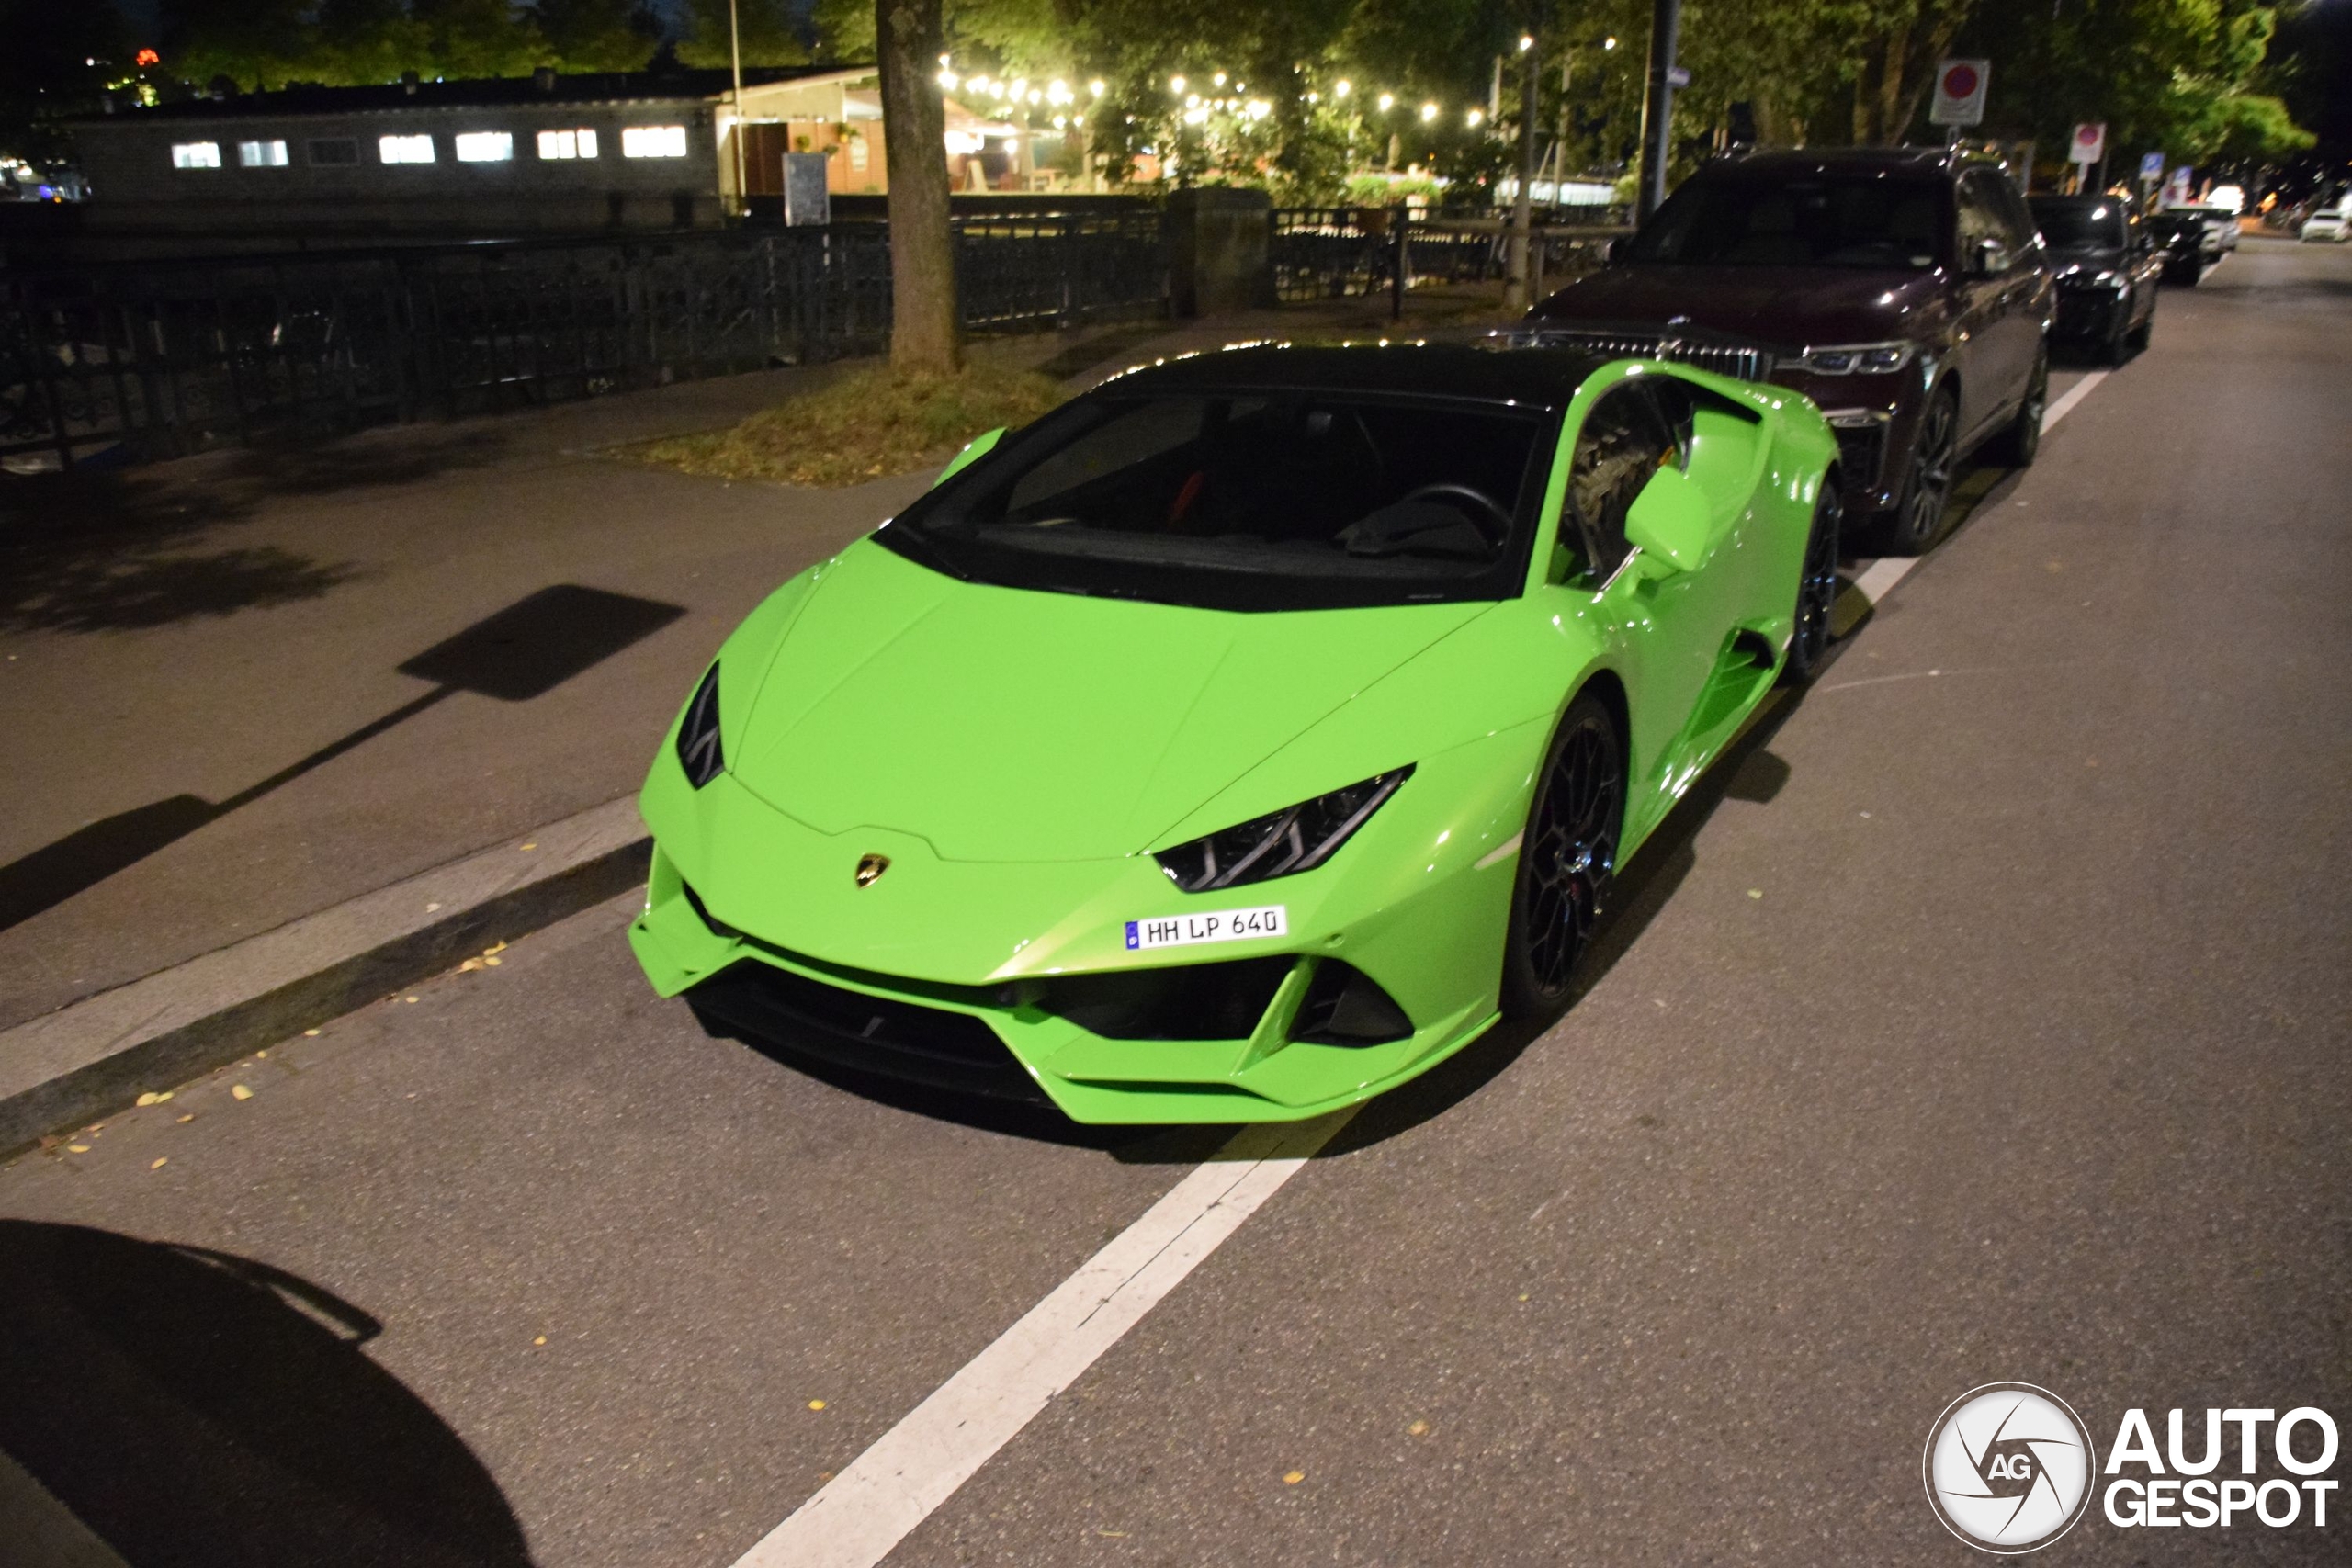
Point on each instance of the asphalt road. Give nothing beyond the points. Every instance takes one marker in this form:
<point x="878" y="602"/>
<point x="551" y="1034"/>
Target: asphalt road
<point x="1985" y="1021"/>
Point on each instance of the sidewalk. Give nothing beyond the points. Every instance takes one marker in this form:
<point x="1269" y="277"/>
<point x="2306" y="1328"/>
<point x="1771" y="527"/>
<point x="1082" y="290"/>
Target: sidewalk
<point x="248" y="686"/>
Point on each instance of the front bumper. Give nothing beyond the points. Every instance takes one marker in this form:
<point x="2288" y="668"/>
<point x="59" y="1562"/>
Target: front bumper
<point x="2092" y="313"/>
<point x="1010" y="981"/>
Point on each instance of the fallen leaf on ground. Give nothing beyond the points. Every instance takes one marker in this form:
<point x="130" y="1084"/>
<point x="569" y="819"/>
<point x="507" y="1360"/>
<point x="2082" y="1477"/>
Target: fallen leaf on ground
<point x="1418" y="1429"/>
<point x="408" y="998"/>
<point x="429" y="908"/>
<point x="816" y="1405"/>
<point x="239" y="1091"/>
<point x="189" y="1117"/>
<point x="541" y="1340"/>
<point x="469" y="966"/>
<point x="310" y="1033"/>
<point x="494" y="948"/>
<point x="161" y="1163"/>
<point x="530" y="846"/>
<point x="77" y="1148"/>
<point x="1752" y="893"/>
<point x="493" y="962"/>
<point x="149" y="1098"/>
<point x="1293" y="1478"/>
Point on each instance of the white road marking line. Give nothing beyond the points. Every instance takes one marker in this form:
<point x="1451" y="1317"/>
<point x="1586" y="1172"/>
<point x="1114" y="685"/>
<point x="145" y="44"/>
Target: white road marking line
<point x="1883" y="574"/>
<point x="914" y="1467"/>
<point x="2074" y="394"/>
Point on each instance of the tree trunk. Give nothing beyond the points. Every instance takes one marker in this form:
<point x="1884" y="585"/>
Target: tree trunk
<point x="925" y="333"/>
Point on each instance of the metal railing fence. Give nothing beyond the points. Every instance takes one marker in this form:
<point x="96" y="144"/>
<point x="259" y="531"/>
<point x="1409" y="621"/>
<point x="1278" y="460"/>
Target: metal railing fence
<point x="160" y="359"/>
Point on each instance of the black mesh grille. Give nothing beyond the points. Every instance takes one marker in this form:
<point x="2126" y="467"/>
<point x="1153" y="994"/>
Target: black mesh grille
<point x="876" y="1034"/>
<point x="1861" y="448"/>
<point x="1186" y="1001"/>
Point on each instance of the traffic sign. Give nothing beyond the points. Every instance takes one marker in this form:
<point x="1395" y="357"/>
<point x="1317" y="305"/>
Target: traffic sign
<point x="2089" y="145"/>
<point x="1678" y="76"/>
<point x="2152" y="168"/>
<point x="1960" y="92"/>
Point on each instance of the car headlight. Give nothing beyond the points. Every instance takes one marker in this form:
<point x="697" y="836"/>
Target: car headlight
<point x="1869" y="358"/>
<point x="1297" y="839"/>
<point x="699" y="750"/>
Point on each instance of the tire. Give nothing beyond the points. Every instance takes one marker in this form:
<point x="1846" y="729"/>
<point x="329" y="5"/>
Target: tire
<point x="1810" y="638"/>
<point x="2117" y="349"/>
<point x="1918" y="517"/>
<point x="1568" y="862"/>
<point x="2146" y="332"/>
<point x="2016" y="447"/>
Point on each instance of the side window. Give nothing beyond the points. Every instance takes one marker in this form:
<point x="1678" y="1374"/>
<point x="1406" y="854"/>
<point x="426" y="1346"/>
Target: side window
<point x="2019" y="217"/>
<point x="1623" y="442"/>
<point x="1981" y="218"/>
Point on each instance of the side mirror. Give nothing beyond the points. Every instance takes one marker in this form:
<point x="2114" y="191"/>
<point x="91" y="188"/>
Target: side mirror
<point x="1669" y="524"/>
<point x="978" y="447"/>
<point x="1984" y="258"/>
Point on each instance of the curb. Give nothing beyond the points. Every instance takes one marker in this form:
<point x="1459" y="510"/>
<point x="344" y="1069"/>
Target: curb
<point x="67" y="1067"/>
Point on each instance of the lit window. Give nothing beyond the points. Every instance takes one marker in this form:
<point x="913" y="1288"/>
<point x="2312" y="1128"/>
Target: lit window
<point x="262" y="155"/>
<point x="485" y="146"/>
<point x="567" y="144"/>
<point x="404" y="149"/>
<point x="653" y="142"/>
<point x="196" y="155"/>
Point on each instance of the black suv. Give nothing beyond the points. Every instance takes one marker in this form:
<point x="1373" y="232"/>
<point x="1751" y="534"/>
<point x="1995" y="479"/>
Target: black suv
<point x="1905" y="290"/>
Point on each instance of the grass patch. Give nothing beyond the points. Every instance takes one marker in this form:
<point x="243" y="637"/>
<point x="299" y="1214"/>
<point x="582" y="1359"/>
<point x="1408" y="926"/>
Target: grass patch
<point x="866" y="424"/>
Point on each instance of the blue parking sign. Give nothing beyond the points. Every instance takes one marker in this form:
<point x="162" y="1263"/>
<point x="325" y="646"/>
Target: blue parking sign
<point x="2152" y="167"/>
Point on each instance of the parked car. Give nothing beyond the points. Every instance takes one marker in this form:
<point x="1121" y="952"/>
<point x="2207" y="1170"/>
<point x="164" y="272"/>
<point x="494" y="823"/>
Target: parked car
<point x="2179" y="241"/>
<point x="2221" y="228"/>
<point x="2106" y="270"/>
<point x="2330" y="223"/>
<point x="1237" y="741"/>
<point x="1906" y="291"/>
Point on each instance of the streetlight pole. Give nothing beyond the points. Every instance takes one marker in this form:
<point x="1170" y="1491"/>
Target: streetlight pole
<point x="1521" y="216"/>
<point x="1657" y="103"/>
<point x="735" y="131"/>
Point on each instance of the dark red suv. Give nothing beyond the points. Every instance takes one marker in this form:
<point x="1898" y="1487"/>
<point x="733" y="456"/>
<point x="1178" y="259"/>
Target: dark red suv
<point x="1903" y="290"/>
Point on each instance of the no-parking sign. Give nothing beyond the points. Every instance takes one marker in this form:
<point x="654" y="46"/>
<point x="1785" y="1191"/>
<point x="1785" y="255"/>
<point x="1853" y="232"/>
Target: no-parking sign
<point x="1960" y="92"/>
<point x="2089" y="144"/>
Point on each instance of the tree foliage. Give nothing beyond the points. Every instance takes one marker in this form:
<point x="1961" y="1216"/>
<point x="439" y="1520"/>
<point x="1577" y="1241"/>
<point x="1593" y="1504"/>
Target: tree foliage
<point x="44" y="73"/>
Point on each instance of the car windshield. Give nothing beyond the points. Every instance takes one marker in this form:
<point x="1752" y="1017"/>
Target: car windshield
<point x="2072" y="227"/>
<point x="1829" y="221"/>
<point x="1247" y="500"/>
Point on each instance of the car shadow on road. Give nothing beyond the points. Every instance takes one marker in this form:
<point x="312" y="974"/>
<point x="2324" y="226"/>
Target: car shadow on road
<point x="1747" y="770"/>
<point x="191" y="1406"/>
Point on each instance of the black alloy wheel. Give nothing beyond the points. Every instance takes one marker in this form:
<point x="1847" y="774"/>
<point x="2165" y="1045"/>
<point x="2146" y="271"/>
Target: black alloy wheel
<point x="1816" y="591"/>
<point x="1566" y="860"/>
<point x="1935" y="453"/>
<point x="2145" y="331"/>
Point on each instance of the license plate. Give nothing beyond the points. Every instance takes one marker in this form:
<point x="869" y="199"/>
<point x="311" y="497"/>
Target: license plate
<point x="1223" y="925"/>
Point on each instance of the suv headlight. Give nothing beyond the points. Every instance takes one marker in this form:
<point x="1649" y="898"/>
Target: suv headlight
<point x="699" y="750"/>
<point x="1847" y="359"/>
<point x="1297" y="839"/>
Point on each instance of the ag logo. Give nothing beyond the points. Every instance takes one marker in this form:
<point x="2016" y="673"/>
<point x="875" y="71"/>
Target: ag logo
<point x="871" y="867"/>
<point x="2009" y="1467"/>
